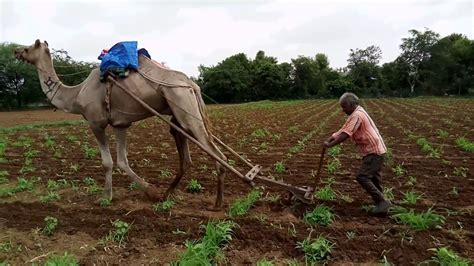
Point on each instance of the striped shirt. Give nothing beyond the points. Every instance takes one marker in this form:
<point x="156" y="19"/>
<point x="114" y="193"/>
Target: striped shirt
<point x="360" y="127"/>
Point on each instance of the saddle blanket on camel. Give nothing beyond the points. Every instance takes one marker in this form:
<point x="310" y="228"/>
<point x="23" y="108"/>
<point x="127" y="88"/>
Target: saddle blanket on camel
<point x="122" y="57"/>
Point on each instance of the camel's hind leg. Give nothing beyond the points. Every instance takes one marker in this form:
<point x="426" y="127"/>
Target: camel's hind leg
<point x="184" y="156"/>
<point x="122" y="163"/>
<point x="183" y="104"/>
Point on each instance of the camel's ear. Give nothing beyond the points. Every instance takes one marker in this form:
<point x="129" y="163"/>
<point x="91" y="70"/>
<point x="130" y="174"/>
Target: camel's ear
<point x="45" y="42"/>
<point x="37" y="43"/>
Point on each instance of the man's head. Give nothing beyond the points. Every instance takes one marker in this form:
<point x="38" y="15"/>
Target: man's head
<point x="349" y="102"/>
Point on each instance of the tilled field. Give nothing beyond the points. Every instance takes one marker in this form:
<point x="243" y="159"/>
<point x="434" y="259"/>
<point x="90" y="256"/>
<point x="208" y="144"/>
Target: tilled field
<point x="285" y="138"/>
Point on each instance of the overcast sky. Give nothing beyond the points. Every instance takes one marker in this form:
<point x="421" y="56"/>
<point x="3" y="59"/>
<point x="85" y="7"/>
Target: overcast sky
<point x="185" y="34"/>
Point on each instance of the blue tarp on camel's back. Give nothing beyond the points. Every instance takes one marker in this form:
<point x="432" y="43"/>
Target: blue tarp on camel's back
<point x="122" y="55"/>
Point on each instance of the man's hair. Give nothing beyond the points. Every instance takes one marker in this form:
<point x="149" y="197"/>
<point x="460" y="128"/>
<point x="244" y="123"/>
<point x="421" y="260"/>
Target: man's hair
<point x="350" y="98"/>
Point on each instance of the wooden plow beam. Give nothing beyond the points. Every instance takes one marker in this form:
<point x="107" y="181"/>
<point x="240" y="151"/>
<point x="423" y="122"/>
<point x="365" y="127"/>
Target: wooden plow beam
<point x="304" y="194"/>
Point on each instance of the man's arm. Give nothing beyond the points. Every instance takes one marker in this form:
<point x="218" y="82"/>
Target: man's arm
<point x="333" y="141"/>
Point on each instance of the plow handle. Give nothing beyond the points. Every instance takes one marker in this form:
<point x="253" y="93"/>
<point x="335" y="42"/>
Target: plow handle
<point x="321" y="159"/>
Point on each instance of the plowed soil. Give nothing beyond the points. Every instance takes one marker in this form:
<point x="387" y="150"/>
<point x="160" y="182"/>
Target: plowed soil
<point x="273" y="227"/>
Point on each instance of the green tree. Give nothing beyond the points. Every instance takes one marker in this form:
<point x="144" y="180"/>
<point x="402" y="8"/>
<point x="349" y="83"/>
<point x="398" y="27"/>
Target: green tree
<point x="18" y="81"/>
<point x="229" y="81"/>
<point x="364" y="70"/>
<point x="416" y="51"/>
<point x="450" y="67"/>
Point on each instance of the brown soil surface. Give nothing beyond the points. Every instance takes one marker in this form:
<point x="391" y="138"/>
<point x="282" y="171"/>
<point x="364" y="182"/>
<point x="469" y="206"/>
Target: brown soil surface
<point x="273" y="227"/>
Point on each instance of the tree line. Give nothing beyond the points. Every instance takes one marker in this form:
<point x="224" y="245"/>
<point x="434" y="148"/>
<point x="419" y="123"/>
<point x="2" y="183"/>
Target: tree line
<point x="427" y="65"/>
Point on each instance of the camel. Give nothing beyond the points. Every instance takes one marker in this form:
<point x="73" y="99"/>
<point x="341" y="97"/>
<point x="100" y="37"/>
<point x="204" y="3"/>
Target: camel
<point x="180" y="98"/>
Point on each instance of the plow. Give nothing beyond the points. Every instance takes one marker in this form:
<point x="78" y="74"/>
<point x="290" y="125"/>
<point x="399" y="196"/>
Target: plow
<point x="253" y="176"/>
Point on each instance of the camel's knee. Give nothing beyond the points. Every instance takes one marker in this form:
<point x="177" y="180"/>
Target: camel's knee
<point x="123" y="165"/>
<point x="108" y="165"/>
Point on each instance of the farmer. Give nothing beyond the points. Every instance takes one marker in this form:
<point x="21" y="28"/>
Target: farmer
<point x="361" y="128"/>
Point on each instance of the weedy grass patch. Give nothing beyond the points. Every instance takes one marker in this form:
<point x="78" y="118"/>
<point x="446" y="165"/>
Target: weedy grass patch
<point x="193" y="186"/>
<point x="241" y="206"/>
<point x="465" y="144"/>
<point x="444" y="256"/>
<point x="51" y="223"/>
<point x="207" y="251"/>
<point x="417" y="221"/>
<point x="321" y="215"/>
<point x="316" y="250"/>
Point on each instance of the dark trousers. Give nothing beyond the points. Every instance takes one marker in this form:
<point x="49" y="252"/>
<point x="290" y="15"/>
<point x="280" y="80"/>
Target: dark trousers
<point x="369" y="176"/>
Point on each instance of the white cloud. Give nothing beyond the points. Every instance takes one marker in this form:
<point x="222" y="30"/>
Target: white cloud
<point x="188" y="33"/>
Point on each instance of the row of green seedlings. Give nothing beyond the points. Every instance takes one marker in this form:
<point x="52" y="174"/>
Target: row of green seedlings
<point x="433" y="152"/>
<point x="49" y="228"/>
<point x="301" y="144"/>
<point x="266" y="135"/>
<point x="166" y="205"/>
<point x="54" y="260"/>
<point x="461" y="142"/>
<point x="400" y="171"/>
<point x="426" y="146"/>
<point x="208" y="250"/>
<point x="318" y="250"/>
<point x="465" y="144"/>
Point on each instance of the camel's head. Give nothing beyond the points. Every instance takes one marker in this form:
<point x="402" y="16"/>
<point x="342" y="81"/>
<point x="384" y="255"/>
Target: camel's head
<point x="34" y="53"/>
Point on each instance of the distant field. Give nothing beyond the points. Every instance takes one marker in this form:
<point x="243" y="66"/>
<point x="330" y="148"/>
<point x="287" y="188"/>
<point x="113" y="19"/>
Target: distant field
<point x="428" y="167"/>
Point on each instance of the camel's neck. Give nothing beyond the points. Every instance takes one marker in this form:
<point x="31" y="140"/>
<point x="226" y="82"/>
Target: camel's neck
<point x="61" y="96"/>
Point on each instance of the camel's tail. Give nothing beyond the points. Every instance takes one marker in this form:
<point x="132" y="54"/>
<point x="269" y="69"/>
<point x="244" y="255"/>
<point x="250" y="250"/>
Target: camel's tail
<point x="203" y="111"/>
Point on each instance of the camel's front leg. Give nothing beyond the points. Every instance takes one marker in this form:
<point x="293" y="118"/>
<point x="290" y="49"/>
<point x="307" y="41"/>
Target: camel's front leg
<point x="122" y="163"/>
<point x="107" y="161"/>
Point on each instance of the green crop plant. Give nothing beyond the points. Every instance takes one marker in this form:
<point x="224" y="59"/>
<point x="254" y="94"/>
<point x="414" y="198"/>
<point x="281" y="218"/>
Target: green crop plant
<point x="164" y="206"/>
<point x="92" y="187"/>
<point x="53" y="185"/>
<point x="50" y="225"/>
<point x="465" y="144"/>
<point x="411" y="180"/>
<point x="51" y="196"/>
<point x="460" y="171"/>
<point x="264" y="262"/>
<point x="316" y="250"/>
<point x="133" y="186"/>
<point x="442" y="133"/>
<point x="64" y="260"/>
<point x="444" y="256"/>
<point x="104" y="202"/>
<point x="321" y="215"/>
<point x="72" y="138"/>
<point x="417" y="221"/>
<point x="293" y="129"/>
<point x="3" y="148"/>
<point x="411" y="197"/>
<point x="260" y="133"/>
<point x="279" y="167"/>
<point x="166" y="173"/>
<point x="120" y="234"/>
<point x="194" y="186"/>
<point x="398" y="170"/>
<point x="207" y="251"/>
<point x="335" y="151"/>
<point x="89" y="152"/>
<point x="24" y="185"/>
<point x="333" y="165"/>
<point x="388" y="193"/>
<point x="49" y="142"/>
<point x="3" y="177"/>
<point x="325" y="193"/>
<point x="242" y="205"/>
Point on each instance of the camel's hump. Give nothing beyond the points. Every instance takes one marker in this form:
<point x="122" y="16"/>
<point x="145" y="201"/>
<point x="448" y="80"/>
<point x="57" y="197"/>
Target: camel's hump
<point x="157" y="72"/>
